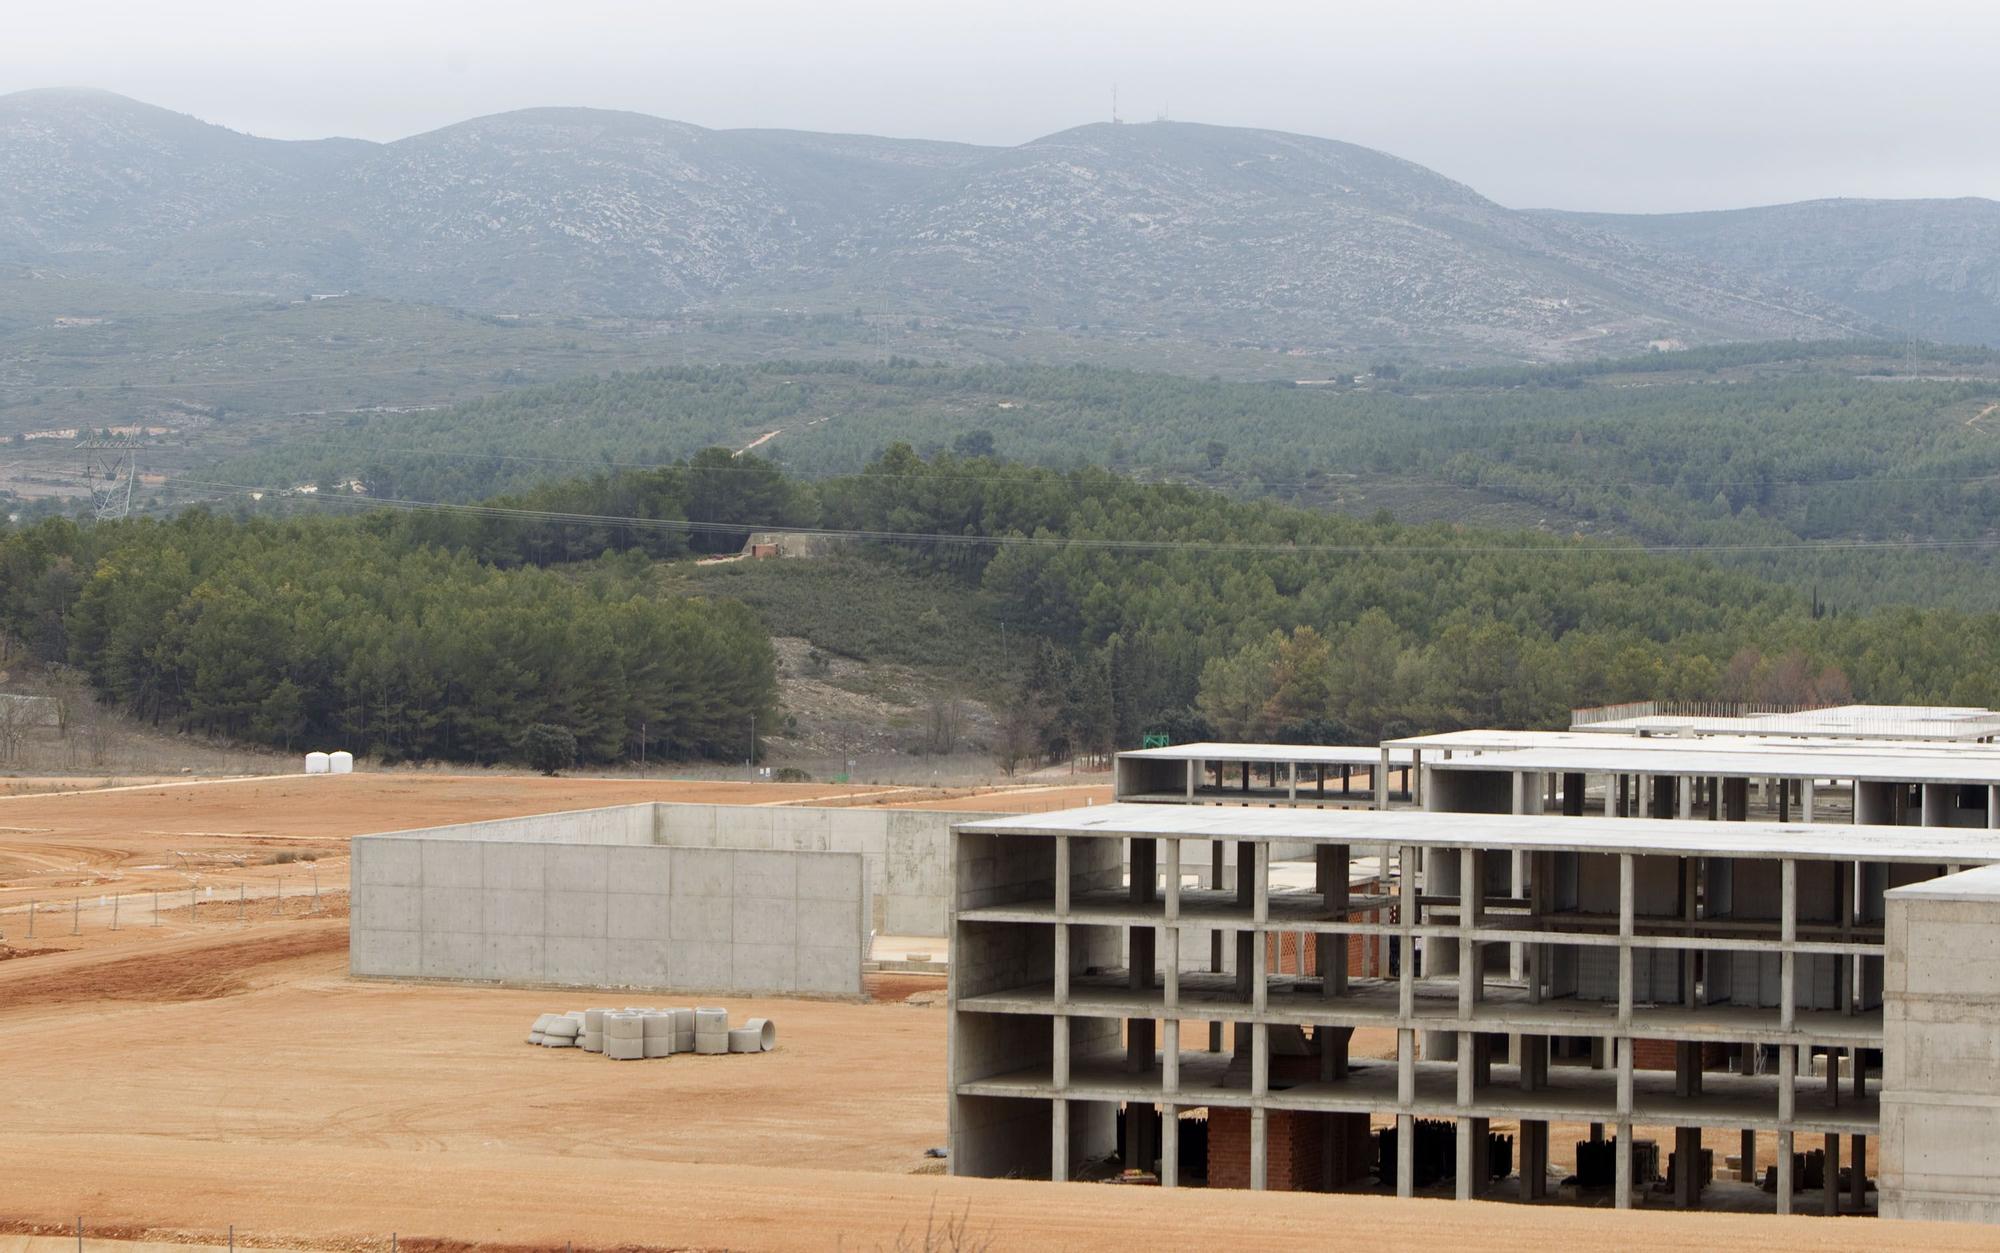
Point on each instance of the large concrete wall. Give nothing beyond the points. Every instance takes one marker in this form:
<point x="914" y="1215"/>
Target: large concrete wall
<point x="907" y="851"/>
<point x="1941" y="1050"/>
<point x="590" y="901"/>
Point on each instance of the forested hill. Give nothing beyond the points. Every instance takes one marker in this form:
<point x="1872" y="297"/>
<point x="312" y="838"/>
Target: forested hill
<point x="1133" y="606"/>
<point x="338" y="632"/>
<point x="1764" y="446"/>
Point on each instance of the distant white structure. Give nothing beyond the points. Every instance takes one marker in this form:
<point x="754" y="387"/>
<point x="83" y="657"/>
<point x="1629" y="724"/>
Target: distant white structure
<point x="341" y="762"/>
<point x="318" y="763"/>
<point x="1961" y="724"/>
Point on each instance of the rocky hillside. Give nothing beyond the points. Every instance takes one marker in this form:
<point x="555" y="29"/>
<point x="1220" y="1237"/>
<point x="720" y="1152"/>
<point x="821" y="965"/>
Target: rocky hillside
<point x="1926" y="268"/>
<point x="1167" y="230"/>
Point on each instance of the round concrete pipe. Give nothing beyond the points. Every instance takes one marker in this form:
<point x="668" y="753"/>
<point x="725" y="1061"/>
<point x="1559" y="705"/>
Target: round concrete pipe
<point x="593" y="1019"/>
<point x="623" y="1049"/>
<point x="564" y="1029"/>
<point x="767" y="1033"/>
<point x="683" y="1019"/>
<point x="536" y="1037"/>
<point x="659" y="1045"/>
<point x="591" y="1041"/>
<point x="624" y="1026"/>
<point x="711" y="1020"/>
<point x="711" y="1042"/>
<point x="746" y="1040"/>
<point x="656" y="1025"/>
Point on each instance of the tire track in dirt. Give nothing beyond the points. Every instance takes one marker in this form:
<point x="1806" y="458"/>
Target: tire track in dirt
<point x="199" y="973"/>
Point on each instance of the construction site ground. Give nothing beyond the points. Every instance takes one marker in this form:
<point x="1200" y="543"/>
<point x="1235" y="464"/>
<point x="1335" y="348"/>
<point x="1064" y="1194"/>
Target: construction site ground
<point x="170" y="1081"/>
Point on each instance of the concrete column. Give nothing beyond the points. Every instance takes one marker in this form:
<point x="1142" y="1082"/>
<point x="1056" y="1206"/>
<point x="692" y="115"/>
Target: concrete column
<point x="1684" y="790"/>
<point x="1382" y="781"/>
<point x="1806" y="799"/>
<point x="1059" y="1140"/>
<point x="1406" y="1000"/>
<point x="1687" y="1178"/>
<point x="1170" y="1056"/>
<point x="1193" y="767"/>
<point x="1784" y="1165"/>
<point x="1626" y="894"/>
<point x="1259" y="1146"/>
<point x="1624" y="1044"/>
<point x="1935" y="804"/>
<point x="1062" y="878"/>
<point x="1062" y="967"/>
<point x="1331" y="871"/>
<point x="1406" y="1153"/>
<point x="1857" y="1183"/>
<point x="1216" y="869"/>
<point x="1406" y="1067"/>
<point x="1623" y="1158"/>
<point x="1260" y="1060"/>
<point x="1830" y="1200"/>
<point x="1170" y="1146"/>
<point x="1471" y="887"/>
<point x="1788" y="907"/>
<point x="1993" y="806"/>
<point x="1143" y="859"/>
<point x="1534" y="1166"/>
<point x="1468" y="1079"/>
<point x="1059" y="1052"/>
<point x="1747" y="1150"/>
<point x="1788" y="1072"/>
<point x="1466" y="1164"/>
<point x="1572" y="794"/>
<point x="1170" y="997"/>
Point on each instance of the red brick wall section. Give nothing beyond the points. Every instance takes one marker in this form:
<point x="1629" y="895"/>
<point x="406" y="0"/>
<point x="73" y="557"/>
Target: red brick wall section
<point x="1293" y="1149"/>
<point x="1365" y="953"/>
<point x="1659" y="1055"/>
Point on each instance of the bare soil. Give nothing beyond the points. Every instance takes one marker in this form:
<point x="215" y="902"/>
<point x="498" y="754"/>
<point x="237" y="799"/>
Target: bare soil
<point x="221" y="1068"/>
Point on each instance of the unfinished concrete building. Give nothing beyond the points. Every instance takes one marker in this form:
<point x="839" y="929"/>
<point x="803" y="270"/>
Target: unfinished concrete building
<point x="1936" y="723"/>
<point x="1313" y="775"/>
<point x="1886" y="786"/>
<point x="1089" y="1033"/>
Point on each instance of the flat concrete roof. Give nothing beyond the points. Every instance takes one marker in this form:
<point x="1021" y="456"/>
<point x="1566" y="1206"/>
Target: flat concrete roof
<point x="1624" y="757"/>
<point x="1304" y="754"/>
<point x="1948" y="722"/>
<point x="1981" y="883"/>
<point x="1486" y="741"/>
<point x="1532" y="832"/>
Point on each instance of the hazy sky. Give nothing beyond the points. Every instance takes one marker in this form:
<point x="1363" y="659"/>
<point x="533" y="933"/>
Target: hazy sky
<point x="1586" y="104"/>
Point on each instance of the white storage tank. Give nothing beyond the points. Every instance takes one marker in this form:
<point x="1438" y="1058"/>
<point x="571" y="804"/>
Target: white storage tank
<point x="318" y="763"/>
<point x="341" y="762"/>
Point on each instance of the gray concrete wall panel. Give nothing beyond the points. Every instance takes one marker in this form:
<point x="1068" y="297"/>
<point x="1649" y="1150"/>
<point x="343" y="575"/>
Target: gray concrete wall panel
<point x="615" y="909"/>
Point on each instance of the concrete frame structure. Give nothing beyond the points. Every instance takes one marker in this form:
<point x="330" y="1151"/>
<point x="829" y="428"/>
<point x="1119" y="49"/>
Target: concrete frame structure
<point x="1941" y="723"/>
<point x="1450" y="745"/>
<point x="1316" y="775"/>
<point x="1623" y="930"/>
<point x="613" y="898"/>
<point x="1894" y="786"/>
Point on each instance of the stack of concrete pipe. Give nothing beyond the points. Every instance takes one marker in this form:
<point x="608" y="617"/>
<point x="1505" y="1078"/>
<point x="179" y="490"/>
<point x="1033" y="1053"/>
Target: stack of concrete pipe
<point x="624" y="1035"/>
<point x="711" y="1031"/>
<point x="557" y="1031"/>
<point x="632" y="1034"/>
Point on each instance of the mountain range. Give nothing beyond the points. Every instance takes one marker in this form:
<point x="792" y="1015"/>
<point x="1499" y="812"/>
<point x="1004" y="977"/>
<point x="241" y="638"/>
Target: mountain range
<point x="1162" y="230"/>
